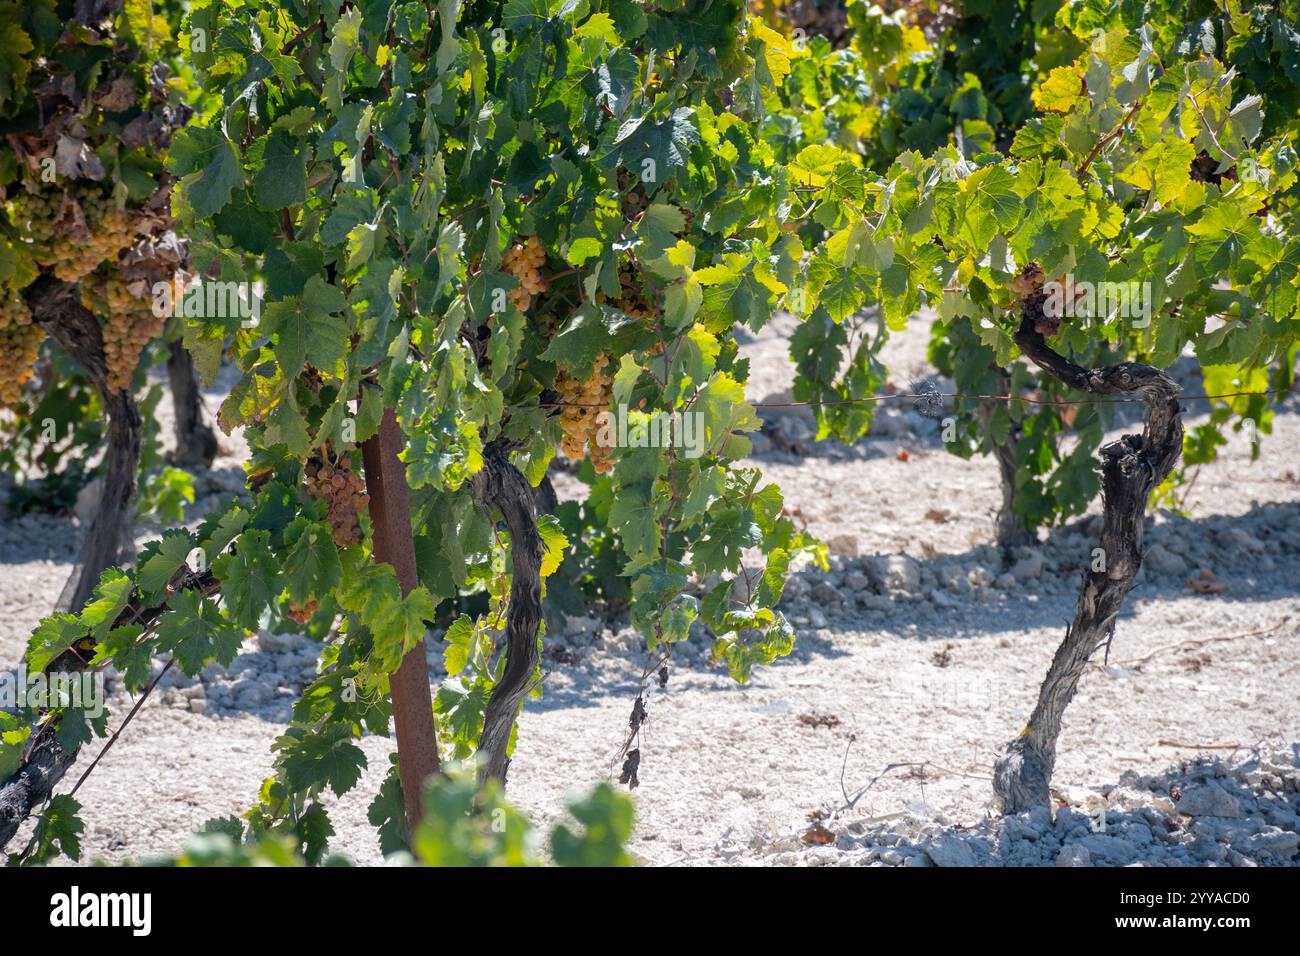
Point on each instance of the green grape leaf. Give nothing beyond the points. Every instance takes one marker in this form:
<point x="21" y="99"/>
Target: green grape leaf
<point x="553" y="543"/>
<point x="606" y="820"/>
<point x="195" y="632"/>
<point x="129" y="655"/>
<point x="281" y="180"/>
<point x="250" y="578"/>
<point x="58" y="831"/>
<point x="110" y="598"/>
<point x="209" y="166"/>
<point x="55" y="635"/>
<point x="387" y="813"/>
<point x="170" y="555"/>
<point x="309" y="328"/>
<point x="726" y="413"/>
<point x="325" y="758"/>
<point x="459" y="640"/>
<point x="311" y="562"/>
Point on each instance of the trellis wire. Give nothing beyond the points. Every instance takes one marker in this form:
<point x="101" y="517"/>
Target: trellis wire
<point x="927" y="397"/>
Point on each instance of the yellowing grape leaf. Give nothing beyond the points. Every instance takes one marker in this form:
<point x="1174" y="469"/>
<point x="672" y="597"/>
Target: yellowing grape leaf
<point x="1060" y="90"/>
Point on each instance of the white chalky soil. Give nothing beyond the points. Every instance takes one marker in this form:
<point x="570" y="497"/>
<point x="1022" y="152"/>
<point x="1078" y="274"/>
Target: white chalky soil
<point x="920" y="644"/>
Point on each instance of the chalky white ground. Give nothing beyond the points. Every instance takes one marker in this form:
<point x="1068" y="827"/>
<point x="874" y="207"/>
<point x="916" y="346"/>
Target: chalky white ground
<point x="921" y="647"/>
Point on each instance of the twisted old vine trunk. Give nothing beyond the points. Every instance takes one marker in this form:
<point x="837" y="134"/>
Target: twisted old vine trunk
<point x="196" y="442"/>
<point x="499" y="486"/>
<point x="1131" y="468"/>
<point x="57" y="309"/>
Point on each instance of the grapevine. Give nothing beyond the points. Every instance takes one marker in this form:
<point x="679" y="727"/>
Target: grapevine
<point x="974" y="97"/>
<point x="90" y="109"/>
<point x="1127" y="154"/>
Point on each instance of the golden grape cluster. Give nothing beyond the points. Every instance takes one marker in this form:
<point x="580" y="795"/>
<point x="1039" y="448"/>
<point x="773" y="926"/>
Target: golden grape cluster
<point x="524" y="261"/>
<point x="110" y="231"/>
<point x="83" y="247"/>
<point x="333" y="481"/>
<point x="582" y="402"/>
<point x="20" y="342"/>
<point x="129" y="323"/>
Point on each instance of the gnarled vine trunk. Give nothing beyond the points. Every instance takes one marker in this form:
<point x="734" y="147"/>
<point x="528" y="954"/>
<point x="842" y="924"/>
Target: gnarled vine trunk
<point x="500" y="486"/>
<point x="1131" y="468"/>
<point x="56" y="308"/>
<point x="196" y="442"/>
<point x="110" y="532"/>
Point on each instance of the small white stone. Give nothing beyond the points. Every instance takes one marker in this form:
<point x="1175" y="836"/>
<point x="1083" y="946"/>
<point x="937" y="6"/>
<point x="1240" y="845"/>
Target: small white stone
<point x="1070" y="855"/>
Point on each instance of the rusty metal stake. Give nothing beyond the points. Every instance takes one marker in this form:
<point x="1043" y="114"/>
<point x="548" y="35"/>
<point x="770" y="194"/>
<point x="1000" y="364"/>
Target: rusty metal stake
<point x="390" y="514"/>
